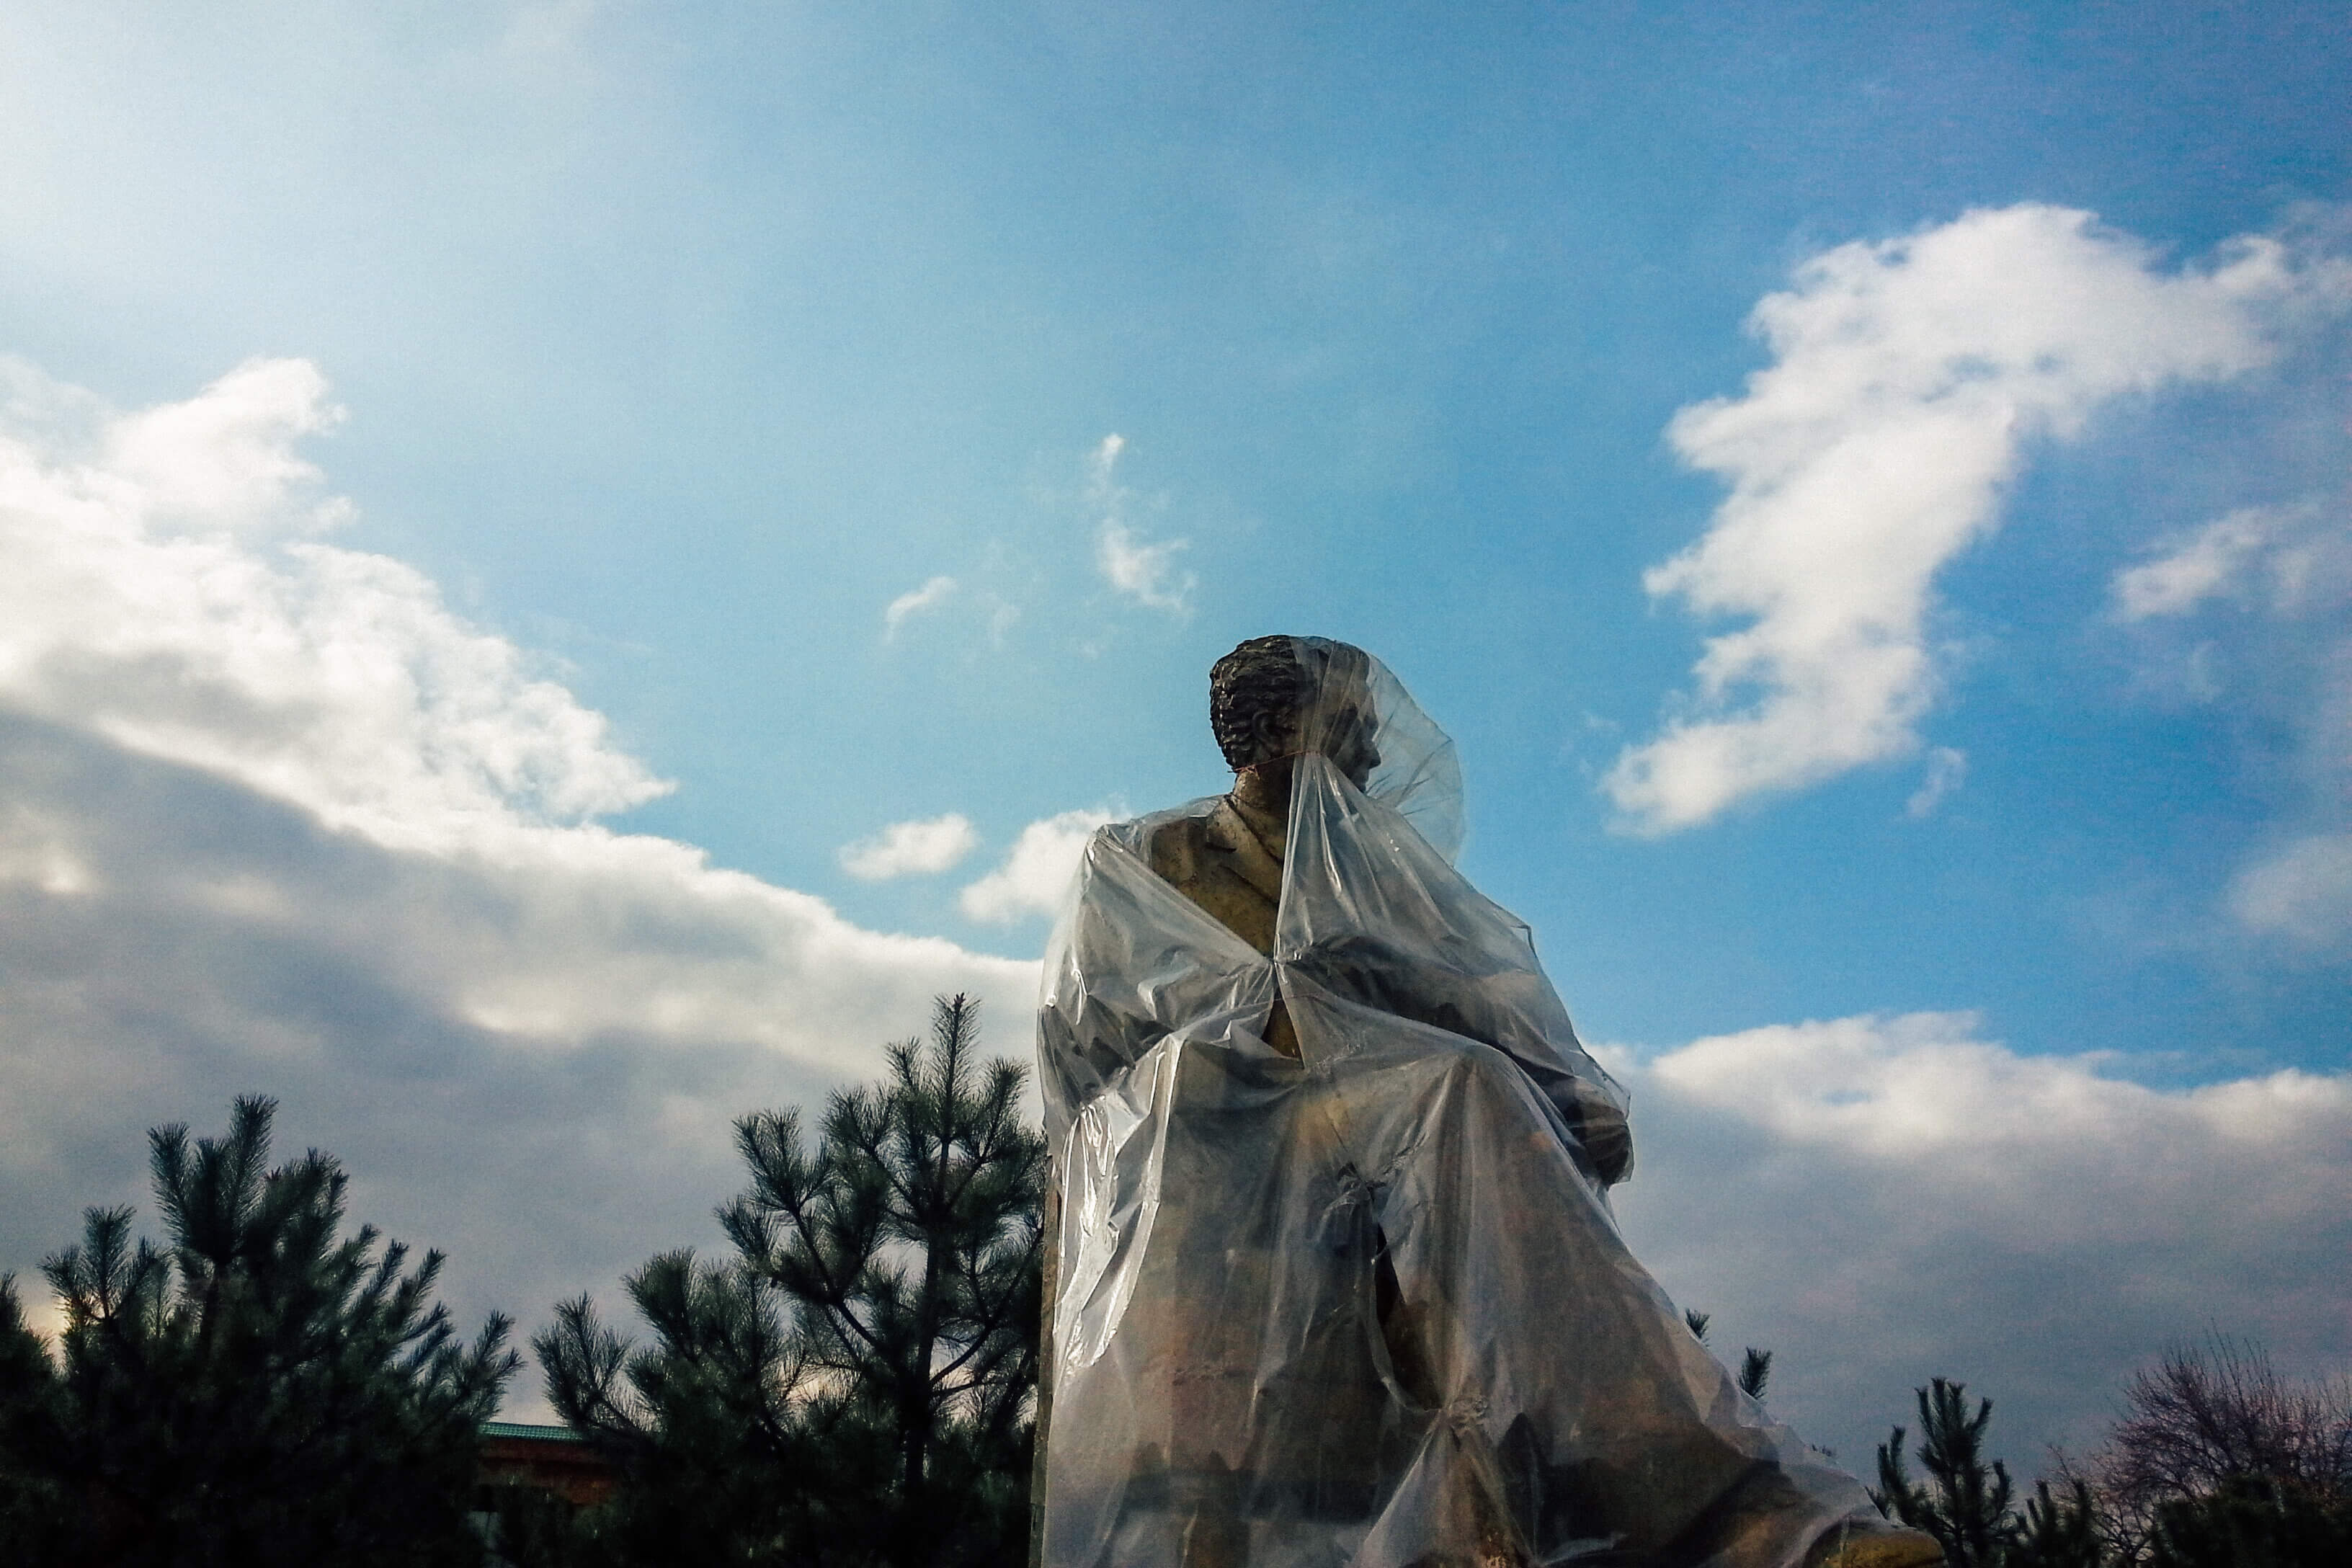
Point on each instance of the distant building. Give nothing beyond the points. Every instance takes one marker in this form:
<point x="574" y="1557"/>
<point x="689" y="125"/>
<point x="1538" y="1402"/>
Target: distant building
<point x="554" y="1458"/>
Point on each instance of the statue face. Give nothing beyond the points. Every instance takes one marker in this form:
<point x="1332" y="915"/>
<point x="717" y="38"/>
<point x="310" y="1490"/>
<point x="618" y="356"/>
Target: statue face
<point x="1346" y="725"/>
<point x="1348" y="739"/>
<point x="1260" y="684"/>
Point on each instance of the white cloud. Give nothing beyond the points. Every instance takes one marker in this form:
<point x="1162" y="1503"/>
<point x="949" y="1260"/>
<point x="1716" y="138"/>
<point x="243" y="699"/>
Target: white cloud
<point x="1886" y="1199"/>
<point x="272" y="818"/>
<point x="1102" y="466"/>
<point x="2301" y="890"/>
<point x="1144" y="571"/>
<point x="223" y="459"/>
<point x="934" y="593"/>
<point x="2195" y="568"/>
<point x="161" y="592"/>
<point x="2285" y="560"/>
<point x="1908" y="376"/>
<point x="931" y="845"/>
<point x="2263" y="599"/>
<point x="1037" y="871"/>
<point x="1947" y="767"/>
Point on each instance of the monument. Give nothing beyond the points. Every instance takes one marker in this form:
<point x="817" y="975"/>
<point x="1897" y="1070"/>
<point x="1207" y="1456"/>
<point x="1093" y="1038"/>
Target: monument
<point x="1335" y="1283"/>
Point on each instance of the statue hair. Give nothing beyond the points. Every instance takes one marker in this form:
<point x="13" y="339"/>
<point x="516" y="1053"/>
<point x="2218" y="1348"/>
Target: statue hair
<point x="1272" y="675"/>
<point x="1262" y="675"/>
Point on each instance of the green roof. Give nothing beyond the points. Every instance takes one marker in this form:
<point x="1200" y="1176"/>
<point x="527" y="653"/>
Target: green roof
<point x="524" y="1429"/>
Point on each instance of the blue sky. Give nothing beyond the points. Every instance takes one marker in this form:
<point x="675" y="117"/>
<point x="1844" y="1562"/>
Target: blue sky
<point x="664" y="349"/>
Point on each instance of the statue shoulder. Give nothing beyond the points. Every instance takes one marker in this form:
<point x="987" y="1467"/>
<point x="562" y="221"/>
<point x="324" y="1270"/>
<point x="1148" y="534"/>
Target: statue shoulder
<point x="1195" y="854"/>
<point x="1173" y="847"/>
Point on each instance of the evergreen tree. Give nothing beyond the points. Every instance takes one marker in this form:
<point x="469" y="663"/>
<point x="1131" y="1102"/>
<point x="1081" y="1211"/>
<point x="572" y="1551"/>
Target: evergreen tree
<point x="732" y="1451"/>
<point x="910" y="1241"/>
<point x="2057" y="1531"/>
<point x="263" y="1390"/>
<point x="856" y="1386"/>
<point x="32" y="1423"/>
<point x="2254" y="1522"/>
<point x="1965" y="1502"/>
<point x="1755" y="1365"/>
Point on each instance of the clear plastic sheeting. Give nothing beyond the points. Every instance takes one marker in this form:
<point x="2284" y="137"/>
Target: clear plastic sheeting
<point x="1366" y="1305"/>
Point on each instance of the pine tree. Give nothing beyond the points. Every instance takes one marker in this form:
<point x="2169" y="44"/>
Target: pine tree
<point x="733" y="1452"/>
<point x="2057" y="1531"/>
<point x="1755" y="1366"/>
<point x="1965" y="1502"/>
<point x="856" y="1385"/>
<point x="2254" y="1522"/>
<point x="32" y="1427"/>
<point x="262" y="1389"/>
<point x="909" y="1242"/>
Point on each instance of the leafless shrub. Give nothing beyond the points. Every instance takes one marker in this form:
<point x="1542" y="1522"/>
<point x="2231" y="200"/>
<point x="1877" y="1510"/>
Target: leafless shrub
<point x="2205" y="1413"/>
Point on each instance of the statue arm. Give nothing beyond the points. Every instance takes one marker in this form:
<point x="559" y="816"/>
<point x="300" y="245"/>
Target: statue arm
<point x="1516" y="1012"/>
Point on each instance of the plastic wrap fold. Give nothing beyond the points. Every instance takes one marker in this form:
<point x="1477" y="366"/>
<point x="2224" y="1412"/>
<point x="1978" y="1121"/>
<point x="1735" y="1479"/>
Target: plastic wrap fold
<point x="1366" y="1306"/>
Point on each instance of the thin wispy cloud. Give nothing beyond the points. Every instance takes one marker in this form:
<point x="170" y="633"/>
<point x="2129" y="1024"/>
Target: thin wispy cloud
<point x="1145" y="571"/>
<point x="922" y="847"/>
<point x="1947" y="767"/>
<point x="545" y="27"/>
<point x="2300" y="891"/>
<point x="2285" y="558"/>
<point x="935" y="592"/>
<point x="1908" y="378"/>
<point x="2255" y="608"/>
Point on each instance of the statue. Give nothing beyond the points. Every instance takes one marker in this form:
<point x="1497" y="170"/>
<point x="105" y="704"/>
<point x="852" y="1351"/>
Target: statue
<point x="1335" y="1283"/>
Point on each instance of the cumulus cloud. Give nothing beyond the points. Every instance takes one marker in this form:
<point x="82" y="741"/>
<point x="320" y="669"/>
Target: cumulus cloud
<point x="921" y="847"/>
<point x="1143" y="570"/>
<point x="1884" y="1199"/>
<point x="934" y="593"/>
<point x="165" y="590"/>
<point x="221" y="459"/>
<point x="1907" y="378"/>
<point x="1037" y="871"/>
<point x="272" y="818"/>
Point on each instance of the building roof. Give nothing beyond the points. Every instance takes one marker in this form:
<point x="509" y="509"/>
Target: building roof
<point x="525" y="1429"/>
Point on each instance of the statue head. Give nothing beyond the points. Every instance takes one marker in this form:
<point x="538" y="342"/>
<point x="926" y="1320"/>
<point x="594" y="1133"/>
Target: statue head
<point x="1274" y="697"/>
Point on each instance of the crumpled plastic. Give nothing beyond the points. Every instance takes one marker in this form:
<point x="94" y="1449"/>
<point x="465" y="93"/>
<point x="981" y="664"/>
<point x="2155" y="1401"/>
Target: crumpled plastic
<point x="1368" y="1306"/>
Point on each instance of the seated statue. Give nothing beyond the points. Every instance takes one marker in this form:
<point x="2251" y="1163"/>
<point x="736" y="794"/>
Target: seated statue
<point x="1335" y="1283"/>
